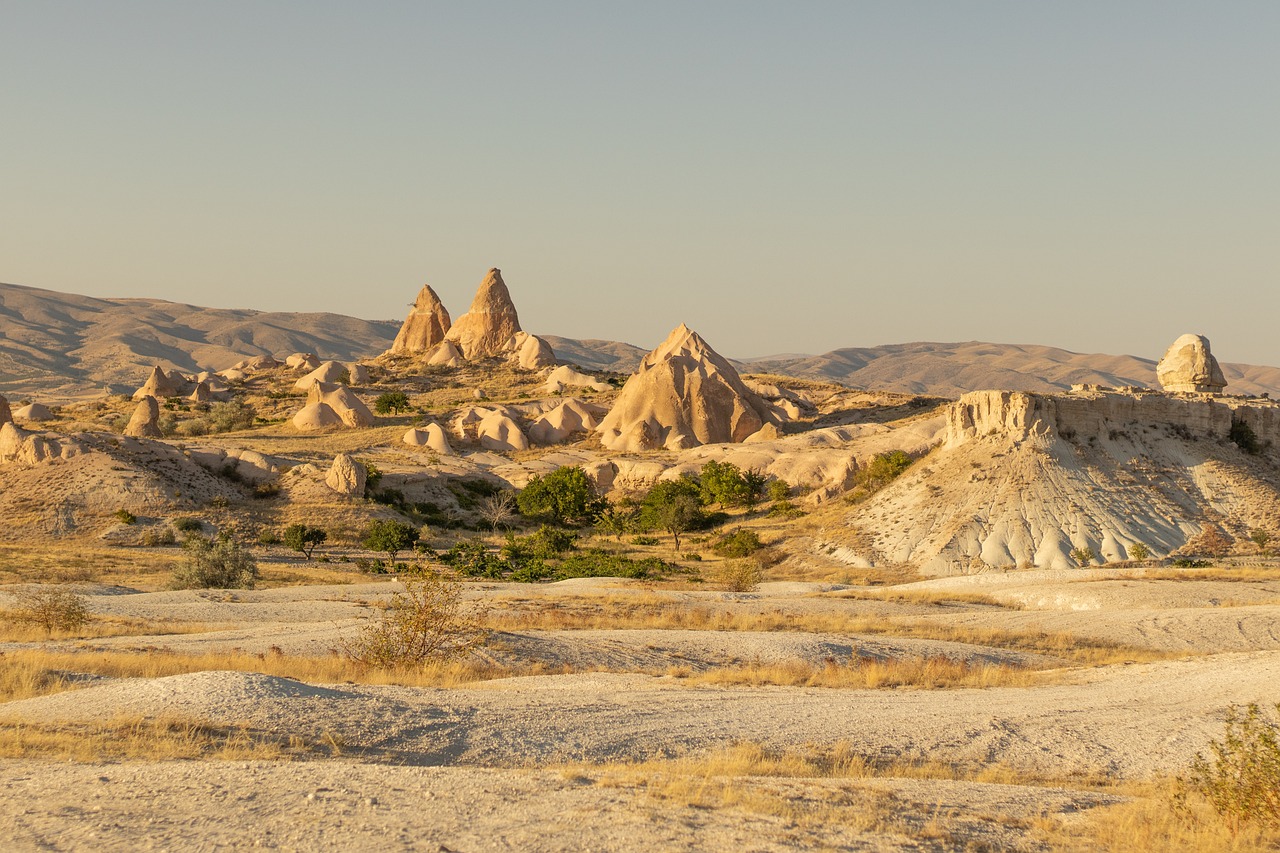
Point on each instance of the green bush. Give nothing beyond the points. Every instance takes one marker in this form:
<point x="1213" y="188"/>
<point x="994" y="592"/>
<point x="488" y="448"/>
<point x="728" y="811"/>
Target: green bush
<point x="389" y="536"/>
<point x="187" y="524"/>
<point x="673" y="506"/>
<point x="303" y="538"/>
<point x="740" y="543"/>
<point x="126" y="517"/>
<point x="1083" y="556"/>
<point x="1138" y="551"/>
<point x="1245" y="438"/>
<point x="565" y="496"/>
<point x="1241" y="779"/>
<point x="215" y="564"/>
<point x="779" y="490"/>
<point x="736" y="575"/>
<point x="391" y="402"/>
<point x="882" y="470"/>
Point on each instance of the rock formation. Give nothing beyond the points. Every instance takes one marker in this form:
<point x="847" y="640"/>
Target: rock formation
<point x="431" y="437"/>
<point x="1189" y="367"/>
<point x="531" y="352"/>
<point x="33" y="412"/>
<point x="162" y="385"/>
<point x="6" y="416"/>
<point x="684" y="394"/>
<point x="202" y="394"/>
<point x="145" y="422"/>
<point x="565" y="377"/>
<point x="445" y="355"/>
<point x="357" y="373"/>
<point x="489" y="325"/>
<point x="330" y="405"/>
<point x="329" y="372"/>
<point x="425" y="327"/>
<point x="346" y="476"/>
<point x="569" y="418"/>
<point x="303" y="361"/>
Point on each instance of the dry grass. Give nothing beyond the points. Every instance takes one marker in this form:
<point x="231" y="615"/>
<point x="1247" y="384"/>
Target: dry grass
<point x="933" y="673"/>
<point x="28" y="673"/>
<point x="1150" y="822"/>
<point x="1216" y="573"/>
<point x="61" y="563"/>
<point x="12" y="631"/>
<point x="164" y="739"/>
<point x="656" y="612"/>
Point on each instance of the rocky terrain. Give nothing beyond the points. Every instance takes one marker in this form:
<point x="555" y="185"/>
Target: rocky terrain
<point x="786" y="613"/>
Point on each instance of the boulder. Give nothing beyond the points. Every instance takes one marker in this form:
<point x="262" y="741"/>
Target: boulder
<point x="259" y="363"/>
<point x="562" y="422"/>
<point x="531" y="352"/>
<point x="500" y="433"/>
<point x="684" y="394"/>
<point x="357" y="374"/>
<point x="145" y="422"/>
<point x="33" y="412"/>
<point x="565" y="377"/>
<point x="424" y="328"/>
<point x="202" y="394"/>
<point x="431" y="437"/>
<point x="1189" y="367"/>
<point x="342" y="400"/>
<point x="303" y="361"/>
<point x="445" y="355"/>
<point x="346" y="476"/>
<point x="489" y="325"/>
<point x="330" y="372"/>
<point x="317" y="416"/>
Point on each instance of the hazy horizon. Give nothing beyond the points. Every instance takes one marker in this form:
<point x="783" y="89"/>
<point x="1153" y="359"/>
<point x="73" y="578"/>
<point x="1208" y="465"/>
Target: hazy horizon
<point x="1097" y="177"/>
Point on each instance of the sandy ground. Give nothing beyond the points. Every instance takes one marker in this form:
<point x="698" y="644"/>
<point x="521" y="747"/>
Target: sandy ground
<point x="481" y="767"/>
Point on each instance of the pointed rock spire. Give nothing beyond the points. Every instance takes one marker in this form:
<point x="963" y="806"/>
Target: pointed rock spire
<point x="425" y="327"/>
<point x="488" y="326"/>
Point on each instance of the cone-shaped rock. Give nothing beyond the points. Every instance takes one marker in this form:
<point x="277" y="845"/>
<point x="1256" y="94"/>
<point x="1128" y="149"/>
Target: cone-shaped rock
<point x="145" y="420"/>
<point x="488" y="326"/>
<point x="33" y="412"/>
<point x="684" y="394"/>
<point x="6" y="416"/>
<point x="1189" y="366"/>
<point x="346" y="476"/>
<point x="160" y="384"/>
<point x="425" y="327"/>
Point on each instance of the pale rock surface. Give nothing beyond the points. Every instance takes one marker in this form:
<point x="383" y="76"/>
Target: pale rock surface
<point x="357" y="373"/>
<point x="568" y="419"/>
<point x="445" y="355"/>
<point x="234" y="375"/>
<point x="342" y="400"/>
<point x="431" y="437"/>
<point x="202" y="394"/>
<point x="30" y="449"/>
<point x="532" y="352"/>
<point x="161" y="385"/>
<point x="303" y="361"/>
<point x="145" y="420"/>
<point x="33" y="413"/>
<point x="329" y="372"/>
<point x="565" y="377"/>
<point x="317" y="416"/>
<point x="1188" y="366"/>
<point x="684" y="394"/>
<point x="491" y="322"/>
<point x="425" y="327"/>
<point x="346" y="476"/>
<point x="500" y="433"/>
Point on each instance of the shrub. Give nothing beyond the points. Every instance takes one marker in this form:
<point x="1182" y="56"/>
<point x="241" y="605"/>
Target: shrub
<point x="155" y="538"/>
<point x="740" y="543"/>
<point x="268" y="537"/>
<point x="498" y="509"/>
<point x="779" y="490"/>
<point x="188" y="525"/>
<point x="126" y="517"/>
<point x="1083" y="556"/>
<point x="644" y="540"/>
<point x="392" y="402"/>
<point x="736" y="575"/>
<point x="50" y="607"/>
<point x="673" y="506"/>
<point x="389" y="536"/>
<point x="230" y="416"/>
<point x="723" y="483"/>
<point x="1242" y="779"/>
<point x="215" y="564"/>
<point x="427" y="623"/>
<point x="1245" y="438"/>
<point x="566" y="495"/>
<point x="303" y="538"/>
<point x="878" y="473"/>
<point x="616" y="519"/>
<point x="372" y="476"/>
<point x="1138" y="551"/>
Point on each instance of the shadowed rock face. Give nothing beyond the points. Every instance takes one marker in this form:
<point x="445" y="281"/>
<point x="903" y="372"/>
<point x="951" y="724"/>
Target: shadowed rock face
<point x="145" y="420"/>
<point x="684" y="394"/>
<point x="5" y="415"/>
<point x="489" y="325"/>
<point x="1189" y="367"/>
<point x="425" y="327"/>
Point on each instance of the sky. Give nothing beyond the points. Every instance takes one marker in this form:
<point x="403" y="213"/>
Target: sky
<point x="782" y="177"/>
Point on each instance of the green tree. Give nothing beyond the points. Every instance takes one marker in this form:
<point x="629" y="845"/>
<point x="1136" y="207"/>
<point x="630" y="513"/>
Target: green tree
<point x="724" y="484"/>
<point x="389" y="536"/>
<point x="616" y="520"/>
<point x="303" y="538"/>
<point x="215" y="564"/>
<point x="1138" y="551"/>
<point x="392" y="402"/>
<point x="566" y="495"/>
<point x="779" y="490"/>
<point x="673" y="506"/>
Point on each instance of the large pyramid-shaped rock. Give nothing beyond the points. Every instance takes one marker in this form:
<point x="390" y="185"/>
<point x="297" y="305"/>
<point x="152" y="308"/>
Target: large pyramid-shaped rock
<point x="425" y="327"/>
<point x="1188" y="366"/>
<point x="490" y="324"/>
<point x="684" y="394"/>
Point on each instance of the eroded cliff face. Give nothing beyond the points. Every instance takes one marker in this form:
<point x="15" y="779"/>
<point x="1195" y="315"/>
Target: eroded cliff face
<point x="1018" y="416"/>
<point x="1025" y="480"/>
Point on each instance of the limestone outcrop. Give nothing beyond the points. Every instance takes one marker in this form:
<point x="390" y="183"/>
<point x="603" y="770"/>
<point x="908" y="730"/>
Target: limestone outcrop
<point x="302" y="361"/>
<point x="425" y="327"/>
<point x="685" y="394"/>
<point x="346" y="476"/>
<point x="162" y="385"/>
<point x="328" y="372"/>
<point x="431" y="437"/>
<point x="330" y="405"/>
<point x="145" y="422"/>
<point x="6" y="416"/>
<point x="489" y="324"/>
<point x="565" y="377"/>
<point x="1188" y="366"/>
<point x="445" y="355"/>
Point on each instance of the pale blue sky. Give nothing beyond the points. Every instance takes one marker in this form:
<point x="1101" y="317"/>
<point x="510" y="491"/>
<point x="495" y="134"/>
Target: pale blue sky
<point x="1102" y="176"/>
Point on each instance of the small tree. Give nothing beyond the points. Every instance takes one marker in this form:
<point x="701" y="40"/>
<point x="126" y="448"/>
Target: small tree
<point x="779" y="490"/>
<point x="427" y="623"/>
<point x="1138" y="551"/>
<point x="389" y="536"/>
<point x="724" y="484"/>
<point x="673" y="506"/>
<point x="1260" y="537"/>
<point x="1083" y="556"/>
<point x="215" y="564"/>
<point x="303" y="538"/>
<point x="617" y="520"/>
<point x="566" y="495"/>
<point x="392" y="402"/>
<point x="50" y="607"/>
<point x="498" y="509"/>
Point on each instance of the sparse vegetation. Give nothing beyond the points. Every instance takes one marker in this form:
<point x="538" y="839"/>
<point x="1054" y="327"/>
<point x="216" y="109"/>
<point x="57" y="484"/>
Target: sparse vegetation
<point x="427" y="623"/>
<point x="390" y="537"/>
<point x="738" y="575"/>
<point x="219" y="563"/>
<point x="1244" y="437"/>
<point x="1241" y="778"/>
<point x="1138" y="551"/>
<point x="51" y="608"/>
<point x="1083" y="556"/>
<point x="126" y="517"/>
<point x="739" y="543"/>
<point x="392" y="402"/>
<point x="304" y="538"/>
<point x="882" y="470"/>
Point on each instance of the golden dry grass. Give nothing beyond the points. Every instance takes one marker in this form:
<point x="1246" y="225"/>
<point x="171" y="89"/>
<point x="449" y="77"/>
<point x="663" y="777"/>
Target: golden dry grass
<point x="932" y="673"/>
<point x="163" y="739"/>
<point x="15" y="631"/>
<point x="54" y="562"/>
<point x="36" y="672"/>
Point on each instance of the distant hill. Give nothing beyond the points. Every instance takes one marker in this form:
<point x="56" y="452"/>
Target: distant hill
<point x="62" y="343"/>
<point x="57" y="344"/>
